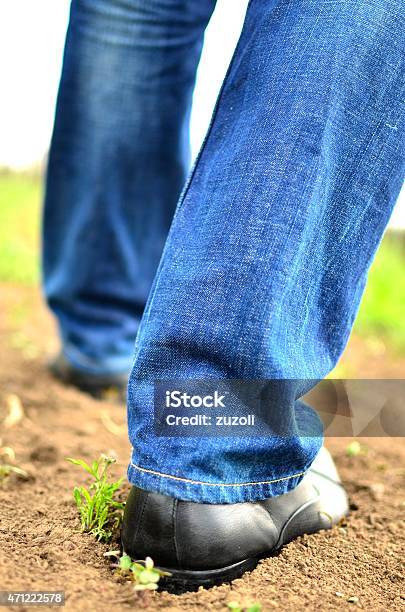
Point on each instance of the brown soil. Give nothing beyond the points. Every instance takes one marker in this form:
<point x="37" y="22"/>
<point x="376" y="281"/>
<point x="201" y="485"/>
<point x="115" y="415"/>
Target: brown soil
<point x="355" y="564"/>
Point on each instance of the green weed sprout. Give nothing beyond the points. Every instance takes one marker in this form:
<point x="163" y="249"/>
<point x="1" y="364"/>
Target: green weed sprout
<point x="354" y="448"/>
<point x="100" y="512"/>
<point x="235" y="607"/>
<point x="6" y="470"/>
<point x="143" y="574"/>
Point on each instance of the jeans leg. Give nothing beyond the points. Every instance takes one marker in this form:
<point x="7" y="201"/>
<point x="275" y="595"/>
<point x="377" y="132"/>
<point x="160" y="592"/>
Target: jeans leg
<point x="118" y="160"/>
<point x="268" y="253"/>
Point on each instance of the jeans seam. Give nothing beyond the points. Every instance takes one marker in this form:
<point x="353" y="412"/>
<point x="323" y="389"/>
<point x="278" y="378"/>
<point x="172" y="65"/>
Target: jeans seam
<point x="215" y="484"/>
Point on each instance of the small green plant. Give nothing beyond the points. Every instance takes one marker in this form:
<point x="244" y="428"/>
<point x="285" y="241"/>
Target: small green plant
<point x="6" y="470"/>
<point x="354" y="449"/>
<point x="235" y="607"/>
<point x="143" y="574"/>
<point x="100" y="512"/>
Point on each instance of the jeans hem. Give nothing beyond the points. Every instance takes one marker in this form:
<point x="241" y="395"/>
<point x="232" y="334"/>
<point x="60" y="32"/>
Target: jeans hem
<point x="212" y="493"/>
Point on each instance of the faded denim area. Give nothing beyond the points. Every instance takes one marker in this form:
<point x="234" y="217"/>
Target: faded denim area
<point x="267" y="256"/>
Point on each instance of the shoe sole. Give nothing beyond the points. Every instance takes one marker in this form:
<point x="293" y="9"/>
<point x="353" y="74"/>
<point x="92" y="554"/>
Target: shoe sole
<point x="182" y="581"/>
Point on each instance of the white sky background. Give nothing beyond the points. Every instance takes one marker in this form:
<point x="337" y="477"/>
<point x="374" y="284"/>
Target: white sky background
<point x="31" y="45"/>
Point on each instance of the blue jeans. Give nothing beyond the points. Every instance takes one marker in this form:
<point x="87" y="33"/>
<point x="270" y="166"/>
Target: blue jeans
<point x="118" y="160"/>
<point x="267" y="256"/>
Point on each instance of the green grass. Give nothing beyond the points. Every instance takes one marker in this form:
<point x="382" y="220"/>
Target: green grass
<point x="381" y="313"/>
<point x="20" y="203"/>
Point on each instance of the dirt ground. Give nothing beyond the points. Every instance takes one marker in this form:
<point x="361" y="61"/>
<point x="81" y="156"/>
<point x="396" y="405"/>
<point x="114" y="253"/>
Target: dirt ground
<point x="357" y="564"/>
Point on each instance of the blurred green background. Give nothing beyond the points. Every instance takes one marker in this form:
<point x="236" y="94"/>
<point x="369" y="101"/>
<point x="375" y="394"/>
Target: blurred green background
<point x="381" y="313"/>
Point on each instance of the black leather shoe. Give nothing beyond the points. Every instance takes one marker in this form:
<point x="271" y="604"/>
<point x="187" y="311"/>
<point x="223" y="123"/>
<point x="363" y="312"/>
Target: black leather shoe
<point x="207" y="544"/>
<point x="106" y="386"/>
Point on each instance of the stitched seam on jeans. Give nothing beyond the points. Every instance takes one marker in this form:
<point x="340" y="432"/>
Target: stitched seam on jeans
<point x="214" y="484"/>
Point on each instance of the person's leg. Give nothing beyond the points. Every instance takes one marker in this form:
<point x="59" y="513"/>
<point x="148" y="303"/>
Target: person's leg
<point x="267" y="257"/>
<point x="118" y="160"/>
<point x="268" y="253"/>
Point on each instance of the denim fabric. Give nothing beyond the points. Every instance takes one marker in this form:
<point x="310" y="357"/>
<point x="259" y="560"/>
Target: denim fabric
<point x="118" y="160"/>
<point x="267" y="257"/>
